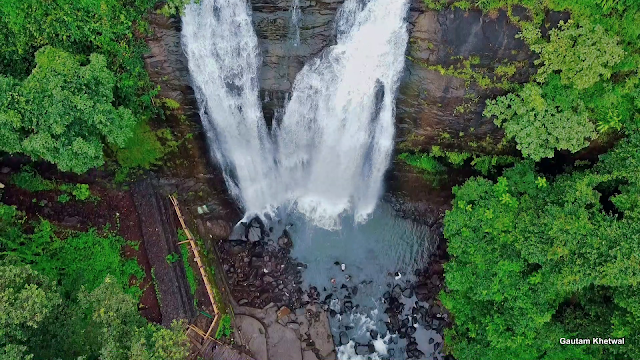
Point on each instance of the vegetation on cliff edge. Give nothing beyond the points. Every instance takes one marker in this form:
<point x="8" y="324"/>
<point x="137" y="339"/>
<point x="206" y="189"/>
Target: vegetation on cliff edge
<point x="541" y="253"/>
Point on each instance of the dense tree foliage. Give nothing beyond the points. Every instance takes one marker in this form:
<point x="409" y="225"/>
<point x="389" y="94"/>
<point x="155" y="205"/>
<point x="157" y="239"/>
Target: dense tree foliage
<point x="534" y="261"/>
<point x="539" y="125"/>
<point x="582" y="55"/>
<point x="27" y="298"/>
<point x="63" y="111"/>
<point x="68" y="298"/>
<point x="588" y="78"/>
<point x="538" y="257"/>
<point x="80" y="27"/>
<point x="72" y="79"/>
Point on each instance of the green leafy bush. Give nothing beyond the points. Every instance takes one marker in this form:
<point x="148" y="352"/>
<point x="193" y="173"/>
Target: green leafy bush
<point x="79" y="191"/>
<point x="31" y="181"/>
<point x="457" y="158"/>
<point x="63" y="198"/>
<point x="175" y="7"/>
<point x="423" y="162"/>
<point x="539" y="124"/>
<point x="171" y="258"/>
<point x="435" y="4"/>
<point x="487" y="164"/>
<point x="142" y="150"/>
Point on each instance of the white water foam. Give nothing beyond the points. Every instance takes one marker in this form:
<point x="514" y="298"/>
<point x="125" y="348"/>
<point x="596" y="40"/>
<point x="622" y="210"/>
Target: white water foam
<point x="329" y="154"/>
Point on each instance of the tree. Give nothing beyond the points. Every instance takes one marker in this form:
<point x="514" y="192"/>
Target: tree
<point x="94" y="311"/>
<point x="27" y="299"/>
<point x="62" y="112"/>
<point x="541" y="124"/>
<point x="14" y="352"/>
<point x="124" y="334"/>
<point x="536" y="260"/>
<point x="582" y="54"/>
<point x="79" y="27"/>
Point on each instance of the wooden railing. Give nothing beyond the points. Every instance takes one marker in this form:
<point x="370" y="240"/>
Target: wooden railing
<point x="205" y="278"/>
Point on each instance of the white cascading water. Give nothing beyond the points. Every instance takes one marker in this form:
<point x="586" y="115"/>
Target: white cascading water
<point x="296" y="14"/>
<point x="330" y="151"/>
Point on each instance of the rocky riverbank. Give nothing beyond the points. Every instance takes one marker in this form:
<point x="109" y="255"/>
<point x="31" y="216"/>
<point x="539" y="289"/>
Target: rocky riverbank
<point x="261" y="272"/>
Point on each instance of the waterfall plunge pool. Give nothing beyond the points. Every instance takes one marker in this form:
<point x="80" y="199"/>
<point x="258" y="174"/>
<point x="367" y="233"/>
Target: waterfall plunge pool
<point x="373" y="253"/>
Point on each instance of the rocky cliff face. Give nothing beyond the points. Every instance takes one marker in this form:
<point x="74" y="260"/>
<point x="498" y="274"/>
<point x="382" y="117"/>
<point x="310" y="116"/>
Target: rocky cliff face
<point x="453" y="64"/>
<point x="430" y="103"/>
<point x="282" y="59"/>
<point x="440" y="102"/>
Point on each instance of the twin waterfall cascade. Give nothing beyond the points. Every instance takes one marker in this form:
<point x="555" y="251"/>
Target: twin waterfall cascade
<point x="328" y="154"/>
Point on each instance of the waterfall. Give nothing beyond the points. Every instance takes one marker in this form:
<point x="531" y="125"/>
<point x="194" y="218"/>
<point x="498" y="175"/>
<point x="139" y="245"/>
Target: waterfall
<point x="296" y="14"/>
<point x="329" y="153"/>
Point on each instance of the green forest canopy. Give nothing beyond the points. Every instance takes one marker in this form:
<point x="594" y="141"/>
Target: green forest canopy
<point x="536" y="257"/>
<point x="72" y="85"/>
<point x="66" y="298"/>
<point x="72" y="80"/>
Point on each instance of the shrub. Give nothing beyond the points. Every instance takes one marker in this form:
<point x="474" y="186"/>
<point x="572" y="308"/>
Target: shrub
<point x="31" y="181"/>
<point x="172" y="257"/>
<point x="422" y="162"/>
<point x="81" y="192"/>
<point x="224" y="328"/>
<point x="142" y="150"/>
<point x="541" y="125"/>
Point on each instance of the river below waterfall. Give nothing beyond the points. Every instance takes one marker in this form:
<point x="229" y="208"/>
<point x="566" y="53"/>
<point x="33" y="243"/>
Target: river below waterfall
<point x="380" y="258"/>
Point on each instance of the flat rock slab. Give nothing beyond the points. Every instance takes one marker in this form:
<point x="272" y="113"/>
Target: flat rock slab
<point x="320" y="332"/>
<point x="286" y="336"/>
<point x="223" y="352"/>
<point x="309" y="355"/>
<point x="283" y="343"/>
<point x="253" y="335"/>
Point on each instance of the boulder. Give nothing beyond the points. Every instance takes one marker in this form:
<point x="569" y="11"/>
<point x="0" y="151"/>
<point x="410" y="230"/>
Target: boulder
<point x="320" y="333"/>
<point x="344" y="338"/>
<point x="283" y="343"/>
<point x="254" y="335"/>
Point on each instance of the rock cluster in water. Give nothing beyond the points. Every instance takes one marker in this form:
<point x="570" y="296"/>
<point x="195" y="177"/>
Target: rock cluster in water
<point x="259" y="268"/>
<point x="261" y="271"/>
<point x="414" y="315"/>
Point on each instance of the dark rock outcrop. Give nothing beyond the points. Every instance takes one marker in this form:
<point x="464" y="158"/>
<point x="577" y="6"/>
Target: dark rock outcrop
<point x="167" y="65"/>
<point x="281" y="58"/>
<point x="428" y="99"/>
